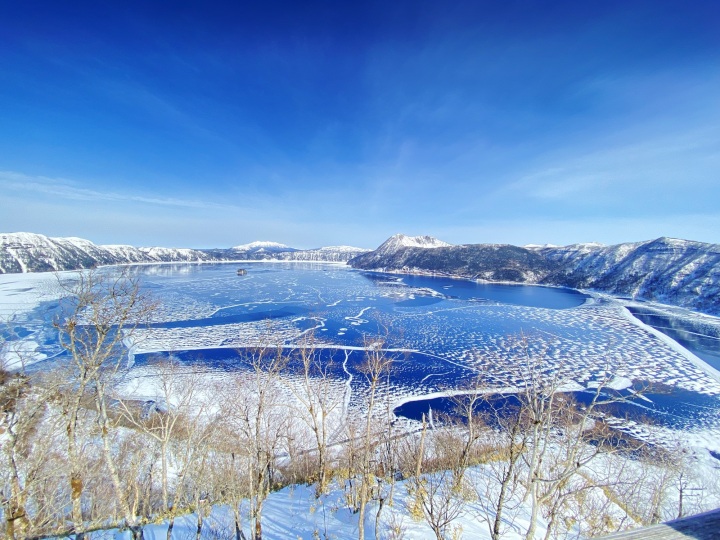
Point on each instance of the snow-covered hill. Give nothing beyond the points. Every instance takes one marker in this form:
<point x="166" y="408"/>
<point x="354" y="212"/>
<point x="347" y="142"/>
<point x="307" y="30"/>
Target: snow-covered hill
<point x="29" y="252"/>
<point x="493" y="262"/>
<point x="678" y="272"/>
<point x="328" y="254"/>
<point x="398" y="241"/>
<point x="271" y="251"/>
<point x="262" y="246"/>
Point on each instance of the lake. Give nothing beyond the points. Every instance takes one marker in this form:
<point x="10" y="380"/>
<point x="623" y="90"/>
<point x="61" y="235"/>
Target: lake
<point x="440" y="332"/>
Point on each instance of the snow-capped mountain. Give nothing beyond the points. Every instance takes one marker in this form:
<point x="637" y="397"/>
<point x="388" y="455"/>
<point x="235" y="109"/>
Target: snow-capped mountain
<point x="29" y="252"/>
<point x="263" y="247"/>
<point x="678" y="272"/>
<point x="271" y="251"/>
<point x="328" y="254"/>
<point x="398" y="241"/>
<point x="494" y="262"/>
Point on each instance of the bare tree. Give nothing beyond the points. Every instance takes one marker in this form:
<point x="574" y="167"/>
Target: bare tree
<point x="437" y="487"/>
<point x="375" y="368"/>
<point x="105" y="311"/>
<point x="259" y="416"/>
<point x="22" y="408"/>
<point x="560" y="437"/>
<point x="319" y="400"/>
<point x="172" y="414"/>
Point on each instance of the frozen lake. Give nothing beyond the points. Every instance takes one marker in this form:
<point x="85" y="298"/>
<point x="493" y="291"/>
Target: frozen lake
<point x="441" y="332"/>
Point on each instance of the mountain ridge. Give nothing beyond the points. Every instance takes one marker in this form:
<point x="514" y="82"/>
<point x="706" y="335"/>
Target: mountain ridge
<point x="31" y="252"/>
<point x="674" y="271"/>
<point x="680" y="272"/>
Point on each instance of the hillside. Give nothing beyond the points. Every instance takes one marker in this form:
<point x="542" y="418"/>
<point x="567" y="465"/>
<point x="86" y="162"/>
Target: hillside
<point x="29" y="252"/>
<point x="677" y="272"/>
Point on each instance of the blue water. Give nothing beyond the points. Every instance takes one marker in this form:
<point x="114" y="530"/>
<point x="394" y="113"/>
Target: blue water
<point x="442" y="332"/>
<point x="523" y="295"/>
<point x="214" y="295"/>
<point x="693" y="334"/>
<point x="663" y="406"/>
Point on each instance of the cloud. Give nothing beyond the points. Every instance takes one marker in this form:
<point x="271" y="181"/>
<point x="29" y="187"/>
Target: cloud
<point x="677" y="166"/>
<point x="67" y="189"/>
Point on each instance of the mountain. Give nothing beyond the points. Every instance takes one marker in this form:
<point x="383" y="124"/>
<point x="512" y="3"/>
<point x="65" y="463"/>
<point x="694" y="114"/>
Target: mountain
<point x="263" y="247"/>
<point x="271" y="251"/>
<point x="483" y="261"/>
<point x="398" y="241"/>
<point x="678" y="272"/>
<point x="28" y="252"/>
<point x="328" y="254"/>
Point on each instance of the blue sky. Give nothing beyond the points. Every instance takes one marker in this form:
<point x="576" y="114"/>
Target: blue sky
<point x="204" y="124"/>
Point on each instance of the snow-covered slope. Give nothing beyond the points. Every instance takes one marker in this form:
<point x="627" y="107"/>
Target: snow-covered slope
<point x="678" y="272"/>
<point x="262" y="246"/>
<point x="271" y="251"/>
<point x="29" y="252"/>
<point x="495" y="262"/>
<point x="327" y="254"/>
<point x="398" y="241"/>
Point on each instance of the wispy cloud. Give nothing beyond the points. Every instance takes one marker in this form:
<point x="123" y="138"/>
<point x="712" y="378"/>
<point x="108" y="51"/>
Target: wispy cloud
<point x="67" y="189"/>
<point x="659" y="165"/>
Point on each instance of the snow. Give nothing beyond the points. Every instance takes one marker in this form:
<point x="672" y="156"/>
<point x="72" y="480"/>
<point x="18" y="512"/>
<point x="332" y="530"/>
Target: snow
<point x="21" y="293"/>
<point x="540" y="246"/>
<point x="23" y="237"/>
<point x="260" y="244"/>
<point x="79" y="242"/>
<point x="418" y="241"/>
<point x="294" y="512"/>
<point x="674" y="345"/>
<point x="21" y="353"/>
<point x="342" y="248"/>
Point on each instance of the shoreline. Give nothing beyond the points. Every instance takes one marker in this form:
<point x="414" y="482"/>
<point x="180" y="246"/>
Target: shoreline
<point x="670" y="342"/>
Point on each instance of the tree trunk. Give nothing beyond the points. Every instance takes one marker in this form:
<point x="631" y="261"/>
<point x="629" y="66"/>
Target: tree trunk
<point x="198" y="531"/>
<point x="238" y="531"/>
<point x="361" y="513"/>
<point x="377" y="516"/>
<point x="76" y="487"/>
<point x="258" y="526"/>
<point x="130" y="519"/>
<point x="76" y="478"/>
<point x="530" y="535"/>
<point x="15" y="506"/>
<point x="501" y="505"/>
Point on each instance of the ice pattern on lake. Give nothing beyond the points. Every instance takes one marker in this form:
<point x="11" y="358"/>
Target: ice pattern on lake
<point x="441" y="332"/>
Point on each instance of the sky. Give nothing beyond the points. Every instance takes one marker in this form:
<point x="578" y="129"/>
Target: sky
<point x="212" y="124"/>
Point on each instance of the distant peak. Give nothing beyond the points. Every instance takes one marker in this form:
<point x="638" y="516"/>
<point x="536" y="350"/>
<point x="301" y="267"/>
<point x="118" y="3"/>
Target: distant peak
<point x="539" y="246"/>
<point x="260" y="245"/>
<point x="341" y="248"/>
<point x="669" y="240"/>
<point x="402" y="240"/>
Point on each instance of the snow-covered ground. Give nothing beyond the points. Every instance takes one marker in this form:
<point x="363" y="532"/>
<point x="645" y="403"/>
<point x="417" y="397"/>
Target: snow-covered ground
<point x="297" y="512"/>
<point x="443" y="341"/>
